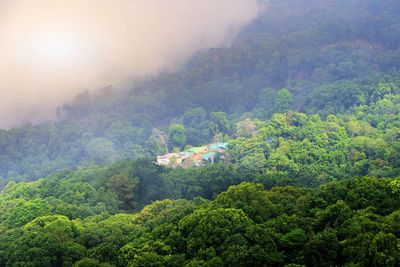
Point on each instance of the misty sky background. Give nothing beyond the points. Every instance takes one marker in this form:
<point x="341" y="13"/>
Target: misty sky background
<point x="52" y="50"/>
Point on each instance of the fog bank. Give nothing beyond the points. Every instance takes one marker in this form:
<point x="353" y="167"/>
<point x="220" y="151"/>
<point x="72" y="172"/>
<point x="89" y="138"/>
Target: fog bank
<point x="50" y="50"/>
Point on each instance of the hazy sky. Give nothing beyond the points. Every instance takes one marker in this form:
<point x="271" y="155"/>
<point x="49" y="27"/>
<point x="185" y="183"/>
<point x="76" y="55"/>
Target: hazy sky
<point x="52" y="49"/>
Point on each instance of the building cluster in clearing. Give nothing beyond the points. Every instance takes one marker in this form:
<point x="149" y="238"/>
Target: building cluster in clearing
<point x="195" y="156"/>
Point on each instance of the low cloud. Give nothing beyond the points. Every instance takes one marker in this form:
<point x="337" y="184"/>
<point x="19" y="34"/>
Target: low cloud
<point x="50" y="50"/>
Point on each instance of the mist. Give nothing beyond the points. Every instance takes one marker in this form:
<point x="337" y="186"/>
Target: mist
<point x="52" y="50"/>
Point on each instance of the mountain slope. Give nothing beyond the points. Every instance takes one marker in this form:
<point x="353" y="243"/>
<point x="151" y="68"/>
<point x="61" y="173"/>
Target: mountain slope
<point x="331" y="55"/>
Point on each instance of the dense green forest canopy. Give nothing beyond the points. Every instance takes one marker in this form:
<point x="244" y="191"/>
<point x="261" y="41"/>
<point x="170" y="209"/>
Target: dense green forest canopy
<point x="136" y="213"/>
<point x="330" y="55"/>
<point x="77" y="219"/>
<point x="308" y="100"/>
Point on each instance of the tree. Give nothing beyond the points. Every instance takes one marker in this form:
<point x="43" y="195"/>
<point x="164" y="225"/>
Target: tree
<point x="25" y="211"/>
<point x="124" y="187"/>
<point x="195" y="117"/>
<point x="159" y="139"/>
<point x="283" y="100"/>
<point x="100" y="151"/>
<point x="322" y="250"/>
<point x="176" y="135"/>
<point x="251" y="198"/>
<point x="246" y="128"/>
<point x="219" y="123"/>
<point x="48" y="241"/>
<point x="227" y="235"/>
<point x="384" y="250"/>
<point x="151" y="184"/>
<point x="146" y="252"/>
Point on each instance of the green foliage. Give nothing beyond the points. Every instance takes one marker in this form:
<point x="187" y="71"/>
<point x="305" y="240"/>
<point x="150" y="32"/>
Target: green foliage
<point x="351" y="222"/>
<point x="219" y="123"/>
<point x="297" y="149"/>
<point x="100" y="151"/>
<point x="47" y="241"/>
<point x="250" y="198"/>
<point x="311" y="172"/>
<point x="150" y="186"/>
<point x="283" y="100"/>
<point x="177" y="136"/>
<point x="326" y="67"/>
<point x="124" y="187"/>
<point x="24" y="211"/>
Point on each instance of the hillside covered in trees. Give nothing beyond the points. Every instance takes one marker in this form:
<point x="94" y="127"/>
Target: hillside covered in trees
<point x="297" y="190"/>
<point x="306" y="102"/>
<point x="74" y="219"/>
<point x="330" y="55"/>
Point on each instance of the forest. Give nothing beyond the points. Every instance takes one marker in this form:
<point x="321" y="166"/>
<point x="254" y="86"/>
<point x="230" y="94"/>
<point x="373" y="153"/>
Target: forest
<point x="330" y="55"/>
<point x="307" y="98"/>
<point x="352" y="222"/>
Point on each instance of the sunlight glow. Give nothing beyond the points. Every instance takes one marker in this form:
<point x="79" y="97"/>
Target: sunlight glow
<point x="54" y="50"/>
<point x="51" y="50"/>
